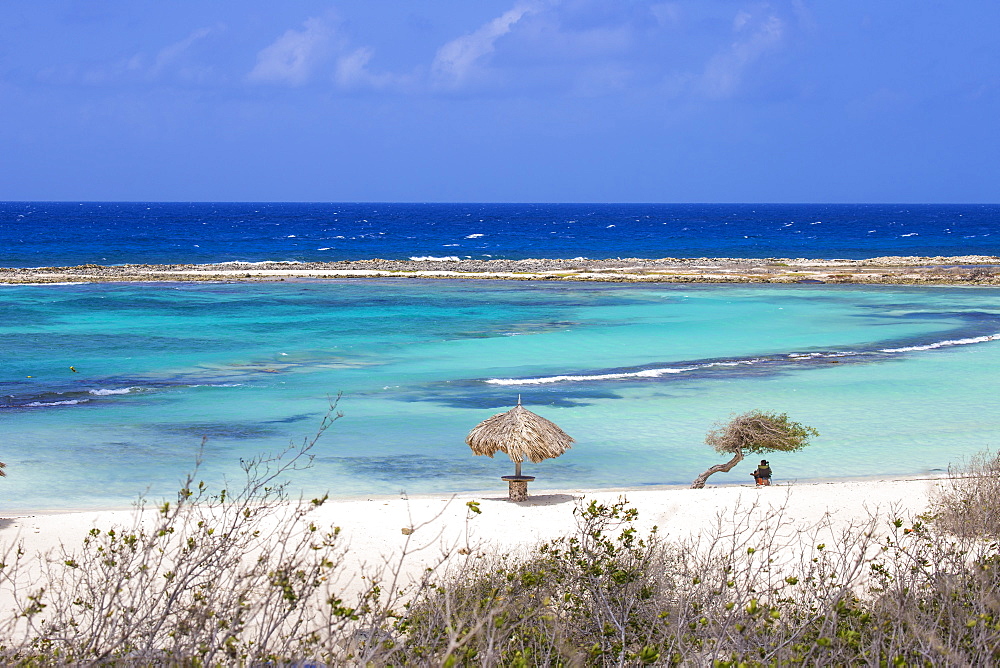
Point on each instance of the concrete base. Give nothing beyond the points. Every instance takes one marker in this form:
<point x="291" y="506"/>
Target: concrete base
<point x="518" y="485"/>
<point x="518" y="490"/>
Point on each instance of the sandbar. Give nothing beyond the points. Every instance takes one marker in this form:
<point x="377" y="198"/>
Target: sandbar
<point x="895" y="270"/>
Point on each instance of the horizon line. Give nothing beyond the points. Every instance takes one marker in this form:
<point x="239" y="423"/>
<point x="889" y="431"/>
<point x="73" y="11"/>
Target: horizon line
<point x="492" y="203"/>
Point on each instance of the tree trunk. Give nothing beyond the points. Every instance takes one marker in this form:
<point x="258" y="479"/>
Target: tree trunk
<point x="699" y="482"/>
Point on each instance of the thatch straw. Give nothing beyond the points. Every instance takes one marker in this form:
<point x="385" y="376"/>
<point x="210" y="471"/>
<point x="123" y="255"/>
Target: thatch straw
<point x="519" y="433"/>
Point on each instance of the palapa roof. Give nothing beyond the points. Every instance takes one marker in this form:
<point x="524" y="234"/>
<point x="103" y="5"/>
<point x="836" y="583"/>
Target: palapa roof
<point x="519" y="433"/>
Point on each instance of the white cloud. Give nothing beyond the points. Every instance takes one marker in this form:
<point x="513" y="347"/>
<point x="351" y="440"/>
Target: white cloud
<point x="352" y="69"/>
<point x="293" y="56"/>
<point x="169" y="54"/>
<point x="456" y="60"/>
<point x="169" y="63"/>
<point x="756" y="37"/>
<point x="353" y="72"/>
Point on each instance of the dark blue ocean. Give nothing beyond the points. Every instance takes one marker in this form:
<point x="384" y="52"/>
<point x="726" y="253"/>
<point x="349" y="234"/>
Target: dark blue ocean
<point x="72" y="233"/>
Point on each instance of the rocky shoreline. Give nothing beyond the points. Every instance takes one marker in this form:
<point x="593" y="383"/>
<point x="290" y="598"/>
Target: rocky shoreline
<point x="905" y="270"/>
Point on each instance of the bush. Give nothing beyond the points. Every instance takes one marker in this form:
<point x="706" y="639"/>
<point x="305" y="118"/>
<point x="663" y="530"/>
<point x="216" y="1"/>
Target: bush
<point x="749" y="591"/>
<point x="214" y="577"/>
<point x="606" y="596"/>
<point x="585" y="597"/>
<point x="968" y="503"/>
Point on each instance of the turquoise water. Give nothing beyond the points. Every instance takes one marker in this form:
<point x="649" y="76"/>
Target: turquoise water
<point x="899" y="380"/>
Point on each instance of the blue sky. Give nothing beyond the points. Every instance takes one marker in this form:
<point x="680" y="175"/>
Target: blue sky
<point x="500" y="101"/>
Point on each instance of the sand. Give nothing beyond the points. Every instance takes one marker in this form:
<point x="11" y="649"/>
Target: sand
<point x="443" y="524"/>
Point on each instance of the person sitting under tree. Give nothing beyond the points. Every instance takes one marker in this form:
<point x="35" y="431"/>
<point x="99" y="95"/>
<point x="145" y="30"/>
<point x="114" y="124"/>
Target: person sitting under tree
<point x="763" y="473"/>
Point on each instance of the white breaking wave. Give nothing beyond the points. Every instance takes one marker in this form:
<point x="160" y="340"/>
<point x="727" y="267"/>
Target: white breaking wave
<point x="431" y="258"/>
<point x="105" y="393"/>
<point x="944" y="344"/>
<point x="68" y="402"/>
<point x="655" y="373"/>
<point x="48" y="285"/>
<point x="648" y="373"/>
<point x="475" y="236"/>
<point x="645" y="373"/>
<point x="241" y="262"/>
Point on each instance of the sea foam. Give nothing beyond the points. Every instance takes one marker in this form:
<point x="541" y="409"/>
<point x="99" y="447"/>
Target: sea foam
<point x="785" y="358"/>
<point x="67" y="402"/>
<point x="944" y="344"/>
<point x="646" y="373"/>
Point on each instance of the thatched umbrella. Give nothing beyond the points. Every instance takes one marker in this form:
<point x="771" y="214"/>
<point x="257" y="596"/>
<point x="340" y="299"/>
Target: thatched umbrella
<point x="521" y="435"/>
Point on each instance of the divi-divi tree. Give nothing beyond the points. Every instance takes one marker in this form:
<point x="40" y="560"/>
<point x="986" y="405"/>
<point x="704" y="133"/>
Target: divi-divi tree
<point x="755" y="432"/>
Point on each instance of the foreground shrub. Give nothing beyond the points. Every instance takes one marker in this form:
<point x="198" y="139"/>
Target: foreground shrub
<point x="606" y="596"/>
<point x="214" y="577"/>
<point x="968" y="503"/>
<point x="583" y="597"/>
<point x="748" y="591"/>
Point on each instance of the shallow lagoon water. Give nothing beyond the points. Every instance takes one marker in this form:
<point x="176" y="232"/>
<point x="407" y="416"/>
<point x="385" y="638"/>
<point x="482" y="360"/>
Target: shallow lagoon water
<point x="899" y="380"/>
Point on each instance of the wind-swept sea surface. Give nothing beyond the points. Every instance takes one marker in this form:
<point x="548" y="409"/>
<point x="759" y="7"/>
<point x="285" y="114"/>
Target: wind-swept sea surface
<point x="898" y="380"/>
<point x="36" y="234"/>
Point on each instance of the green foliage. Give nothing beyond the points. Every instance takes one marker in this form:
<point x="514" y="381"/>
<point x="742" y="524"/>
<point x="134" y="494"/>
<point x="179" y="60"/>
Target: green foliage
<point x="760" y="432"/>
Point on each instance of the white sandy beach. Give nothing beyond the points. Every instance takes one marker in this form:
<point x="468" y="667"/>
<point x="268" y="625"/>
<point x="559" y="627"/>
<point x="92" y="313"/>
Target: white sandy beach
<point x="373" y="527"/>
